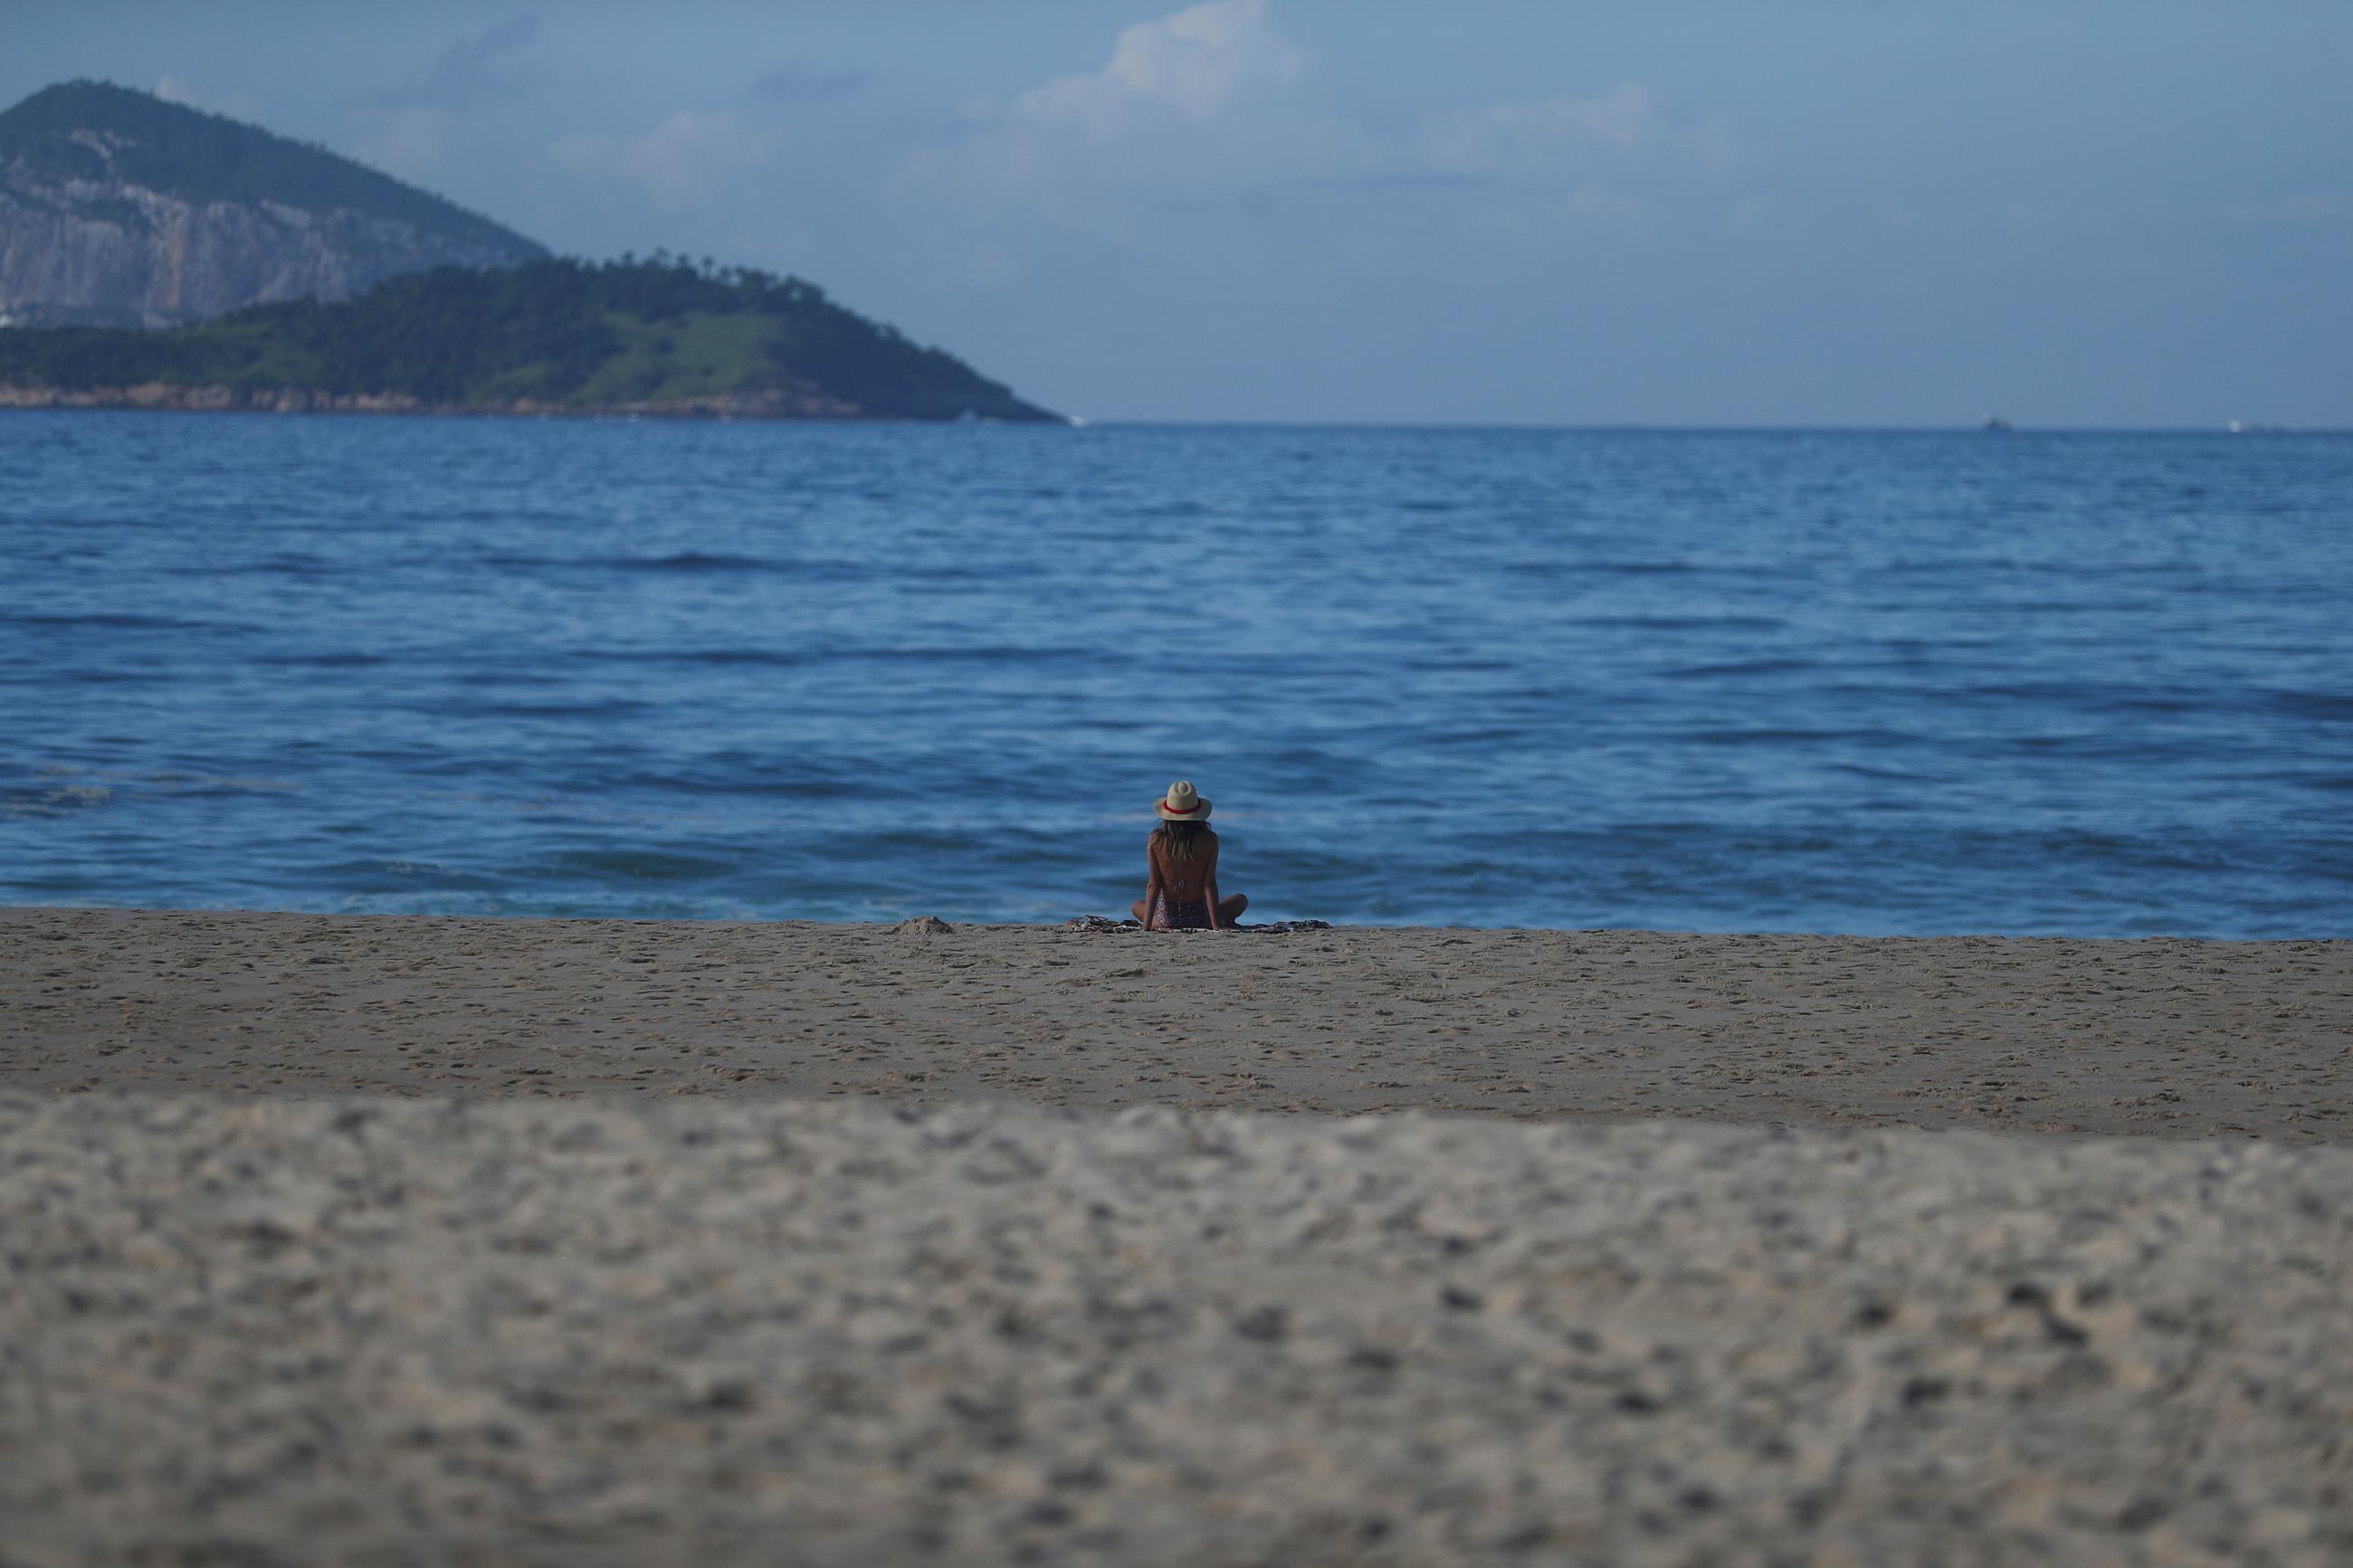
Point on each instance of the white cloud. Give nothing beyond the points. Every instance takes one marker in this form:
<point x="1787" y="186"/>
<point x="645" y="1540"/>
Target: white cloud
<point x="691" y="160"/>
<point x="1216" y="103"/>
<point x="473" y="70"/>
<point x="236" y="105"/>
<point x="1208" y="102"/>
<point x="1563" y="133"/>
<point x="427" y="130"/>
<point x="1198" y="62"/>
<point x="430" y="129"/>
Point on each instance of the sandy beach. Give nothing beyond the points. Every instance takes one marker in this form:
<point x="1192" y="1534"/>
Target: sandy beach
<point x="2188" y="1039"/>
<point x="394" y="1240"/>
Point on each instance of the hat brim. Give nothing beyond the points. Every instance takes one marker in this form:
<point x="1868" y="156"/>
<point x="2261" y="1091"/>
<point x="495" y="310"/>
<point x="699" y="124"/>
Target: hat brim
<point x="1196" y="815"/>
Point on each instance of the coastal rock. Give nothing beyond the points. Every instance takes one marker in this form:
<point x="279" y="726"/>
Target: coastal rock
<point x="215" y="399"/>
<point x="352" y="293"/>
<point x="118" y="209"/>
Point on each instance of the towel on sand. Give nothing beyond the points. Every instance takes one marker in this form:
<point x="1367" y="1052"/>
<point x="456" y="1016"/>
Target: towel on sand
<point x="1104" y="922"/>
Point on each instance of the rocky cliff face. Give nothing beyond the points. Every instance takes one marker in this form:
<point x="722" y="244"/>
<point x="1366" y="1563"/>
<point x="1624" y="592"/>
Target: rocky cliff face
<point x="118" y="209"/>
<point x="113" y="253"/>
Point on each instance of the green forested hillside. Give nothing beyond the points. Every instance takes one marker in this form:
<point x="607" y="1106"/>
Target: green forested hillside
<point x="557" y="332"/>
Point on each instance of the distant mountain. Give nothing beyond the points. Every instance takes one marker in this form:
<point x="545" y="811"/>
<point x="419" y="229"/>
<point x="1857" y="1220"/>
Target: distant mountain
<point x="657" y="337"/>
<point x="120" y="209"/>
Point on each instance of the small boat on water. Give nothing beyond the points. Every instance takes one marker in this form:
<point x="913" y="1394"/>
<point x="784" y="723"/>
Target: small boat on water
<point x="1996" y="421"/>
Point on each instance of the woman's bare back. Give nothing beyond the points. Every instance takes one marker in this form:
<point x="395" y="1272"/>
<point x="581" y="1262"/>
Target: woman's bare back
<point x="1177" y="896"/>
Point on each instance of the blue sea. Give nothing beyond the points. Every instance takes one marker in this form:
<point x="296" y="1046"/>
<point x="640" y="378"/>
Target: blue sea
<point x="2090" y="684"/>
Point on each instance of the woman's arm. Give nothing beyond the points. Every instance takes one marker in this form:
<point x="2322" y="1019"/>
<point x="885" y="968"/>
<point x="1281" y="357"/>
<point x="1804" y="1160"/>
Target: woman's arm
<point x="1209" y="886"/>
<point x="1151" y="886"/>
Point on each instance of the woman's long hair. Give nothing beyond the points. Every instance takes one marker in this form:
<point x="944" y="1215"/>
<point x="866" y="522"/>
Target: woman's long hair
<point x="1181" y="839"/>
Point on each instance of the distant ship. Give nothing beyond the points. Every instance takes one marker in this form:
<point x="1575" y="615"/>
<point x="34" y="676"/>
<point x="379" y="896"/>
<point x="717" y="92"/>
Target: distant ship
<point x="1996" y="421"/>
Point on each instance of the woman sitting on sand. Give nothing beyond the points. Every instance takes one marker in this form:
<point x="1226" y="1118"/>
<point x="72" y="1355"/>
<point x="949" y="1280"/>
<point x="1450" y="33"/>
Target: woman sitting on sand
<point x="1182" y="894"/>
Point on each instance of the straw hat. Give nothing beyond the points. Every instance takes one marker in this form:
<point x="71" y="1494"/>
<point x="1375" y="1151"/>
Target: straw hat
<point x="1184" y="803"/>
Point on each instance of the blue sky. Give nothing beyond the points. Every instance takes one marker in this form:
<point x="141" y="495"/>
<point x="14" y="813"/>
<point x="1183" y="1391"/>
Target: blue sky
<point x="1671" y="212"/>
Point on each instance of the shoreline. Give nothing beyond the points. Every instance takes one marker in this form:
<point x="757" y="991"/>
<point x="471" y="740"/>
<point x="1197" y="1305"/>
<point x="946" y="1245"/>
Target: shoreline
<point x="171" y="398"/>
<point x="2171" y="1037"/>
<point x="1251" y="923"/>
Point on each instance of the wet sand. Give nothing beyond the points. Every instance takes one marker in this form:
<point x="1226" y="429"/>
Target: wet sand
<point x="395" y="1241"/>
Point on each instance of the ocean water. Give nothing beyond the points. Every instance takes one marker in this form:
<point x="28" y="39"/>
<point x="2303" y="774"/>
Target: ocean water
<point x="2088" y="684"/>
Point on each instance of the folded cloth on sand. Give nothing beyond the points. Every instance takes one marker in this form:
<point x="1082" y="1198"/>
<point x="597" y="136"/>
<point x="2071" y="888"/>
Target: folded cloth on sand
<point x="1104" y="922"/>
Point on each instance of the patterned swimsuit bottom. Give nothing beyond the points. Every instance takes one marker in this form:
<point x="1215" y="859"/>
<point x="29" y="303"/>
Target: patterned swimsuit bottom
<point x="1193" y="916"/>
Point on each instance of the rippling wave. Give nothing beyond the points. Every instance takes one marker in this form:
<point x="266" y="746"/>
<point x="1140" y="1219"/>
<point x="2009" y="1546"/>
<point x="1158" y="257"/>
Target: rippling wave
<point x="1901" y="683"/>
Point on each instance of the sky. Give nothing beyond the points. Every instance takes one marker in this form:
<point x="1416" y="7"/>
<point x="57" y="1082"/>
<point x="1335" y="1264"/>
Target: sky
<point x="1668" y="212"/>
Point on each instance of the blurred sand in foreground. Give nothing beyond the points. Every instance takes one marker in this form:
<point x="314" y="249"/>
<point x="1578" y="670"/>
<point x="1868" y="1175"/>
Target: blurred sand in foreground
<point x="390" y="1241"/>
<point x="701" y="1331"/>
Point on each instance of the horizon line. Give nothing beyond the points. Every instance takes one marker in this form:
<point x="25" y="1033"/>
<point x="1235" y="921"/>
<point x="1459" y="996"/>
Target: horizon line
<point x="1670" y="427"/>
